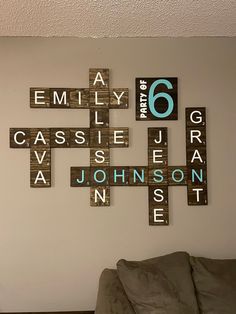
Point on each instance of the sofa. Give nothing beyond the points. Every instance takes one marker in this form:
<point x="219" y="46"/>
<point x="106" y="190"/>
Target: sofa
<point x="176" y="283"/>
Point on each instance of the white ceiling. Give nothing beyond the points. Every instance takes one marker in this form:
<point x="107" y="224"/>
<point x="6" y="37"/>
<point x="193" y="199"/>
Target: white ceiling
<point x="117" y="18"/>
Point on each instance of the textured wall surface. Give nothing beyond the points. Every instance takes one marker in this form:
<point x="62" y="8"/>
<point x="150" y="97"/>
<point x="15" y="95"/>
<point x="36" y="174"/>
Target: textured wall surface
<point x="118" y="18"/>
<point x="53" y="245"/>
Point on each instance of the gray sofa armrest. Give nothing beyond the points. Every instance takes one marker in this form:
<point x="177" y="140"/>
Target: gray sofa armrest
<point x="111" y="295"/>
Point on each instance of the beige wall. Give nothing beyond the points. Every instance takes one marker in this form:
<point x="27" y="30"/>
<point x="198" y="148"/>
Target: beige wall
<point x="53" y="245"/>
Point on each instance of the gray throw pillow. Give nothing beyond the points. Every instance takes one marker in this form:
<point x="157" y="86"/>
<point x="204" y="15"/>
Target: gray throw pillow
<point x="215" y="282"/>
<point x="161" y="285"/>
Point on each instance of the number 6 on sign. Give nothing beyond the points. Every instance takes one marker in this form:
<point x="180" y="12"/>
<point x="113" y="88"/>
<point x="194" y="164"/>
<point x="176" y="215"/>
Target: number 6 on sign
<point x="156" y="99"/>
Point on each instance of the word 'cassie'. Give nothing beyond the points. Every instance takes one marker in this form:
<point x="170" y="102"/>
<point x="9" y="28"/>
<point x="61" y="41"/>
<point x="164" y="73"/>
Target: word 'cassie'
<point x="68" y="137"/>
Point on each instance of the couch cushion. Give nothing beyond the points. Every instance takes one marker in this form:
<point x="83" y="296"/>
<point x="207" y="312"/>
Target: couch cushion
<point x="111" y="295"/>
<point x="215" y="282"/>
<point x="161" y="285"/>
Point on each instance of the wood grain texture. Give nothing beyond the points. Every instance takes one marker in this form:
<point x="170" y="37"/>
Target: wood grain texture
<point x="79" y="98"/>
<point x="158" y="195"/>
<point x="158" y="218"/>
<point x="157" y="157"/>
<point x="79" y="137"/>
<point x="40" y="158"/>
<point x="119" y="176"/>
<point x="177" y="175"/>
<point x="40" y="137"/>
<point x="99" y="118"/>
<point x="119" y="98"/>
<point x="196" y="175"/>
<point x="21" y="135"/>
<point x="99" y="98"/>
<point x="103" y="77"/>
<point x="99" y="176"/>
<point x="198" y="116"/>
<point x="138" y="176"/>
<point x="79" y="176"/>
<point x="99" y="137"/>
<point x="60" y="137"/>
<point x="39" y="97"/>
<point x="196" y="156"/>
<point x="99" y="157"/>
<point x="103" y="200"/>
<point x="60" y="98"/>
<point x="196" y="136"/>
<point x="40" y="167"/>
<point x="157" y="137"/>
<point x="118" y="137"/>
<point x="197" y="197"/>
<point x="157" y="176"/>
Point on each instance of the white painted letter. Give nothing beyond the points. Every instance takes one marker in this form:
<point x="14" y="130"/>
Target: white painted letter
<point x="15" y="138"/>
<point x="40" y="177"/>
<point x="156" y="193"/>
<point x="98" y="78"/>
<point x="197" y="190"/>
<point x="198" y="117"/>
<point x="155" y="156"/>
<point x="117" y="136"/>
<point x="37" y="97"/>
<point x="57" y="100"/>
<point x="60" y="139"/>
<point x="40" y="160"/>
<point x="39" y="137"/>
<point x="102" y="197"/>
<point x="197" y="136"/>
<point x="118" y="96"/>
<point x="81" y="139"/>
<point x="196" y="155"/>
<point x="99" y="154"/>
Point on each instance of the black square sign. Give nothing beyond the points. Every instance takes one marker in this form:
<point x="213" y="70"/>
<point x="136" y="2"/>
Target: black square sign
<point x="156" y="99"/>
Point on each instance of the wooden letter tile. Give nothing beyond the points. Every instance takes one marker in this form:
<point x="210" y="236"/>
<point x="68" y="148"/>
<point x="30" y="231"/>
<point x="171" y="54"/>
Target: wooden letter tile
<point x="138" y="176"/>
<point x="99" y="118"/>
<point x="99" y="157"/>
<point x="60" y="137"/>
<point x="157" y="176"/>
<point x="79" y="98"/>
<point x="100" y="196"/>
<point x="197" y="195"/>
<point x="19" y="138"/>
<point x="40" y="137"/>
<point x="99" y="78"/>
<point x="39" y="97"/>
<point x="118" y="137"/>
<point x="195" y="117"/>
<point x="99" y="137"/>
<point x="157" y="157"/>
<point x="99" y="99"/>
<point x="158" y="216"/>
<point x="79" y="176"/>
<point x="119" y="176"/>
<point x="79" y="137"/>
<point x="99" y="176"/>
<point x="157" y="137"/>
<point x="60" y="98"/>
<point x="177" y="175"/>
<point x="119" y="98"/>
<point x="40" y="167"/>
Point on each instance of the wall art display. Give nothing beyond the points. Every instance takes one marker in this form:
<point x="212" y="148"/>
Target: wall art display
<point x="100" y="137"/>
<point x="156" y="99"/>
